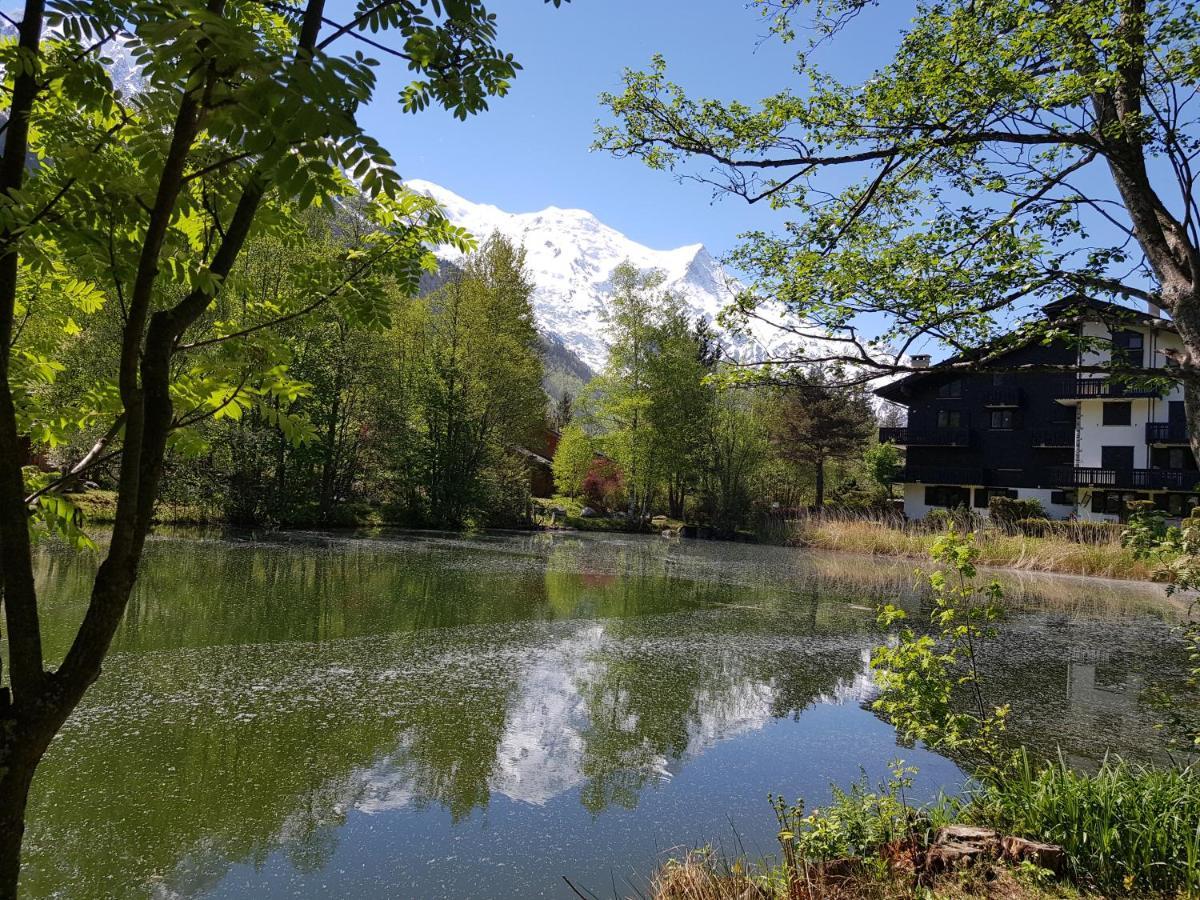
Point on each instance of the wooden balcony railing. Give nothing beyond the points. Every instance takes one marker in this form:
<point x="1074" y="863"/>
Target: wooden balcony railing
<point x="1134" y="479"/>
<point x="1166" y="433"/>
<point x="1102" y="388"/>
<point x="926" y="437"/>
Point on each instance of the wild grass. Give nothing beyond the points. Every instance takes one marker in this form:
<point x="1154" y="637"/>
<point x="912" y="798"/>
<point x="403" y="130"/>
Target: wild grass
<point x="1125" y="827"/>
<point x="1088" y="553"/>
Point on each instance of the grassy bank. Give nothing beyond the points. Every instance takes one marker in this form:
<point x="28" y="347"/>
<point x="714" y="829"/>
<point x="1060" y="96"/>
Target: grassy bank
<point x="1099" y="556"/>
<point x="1123" y="831"/>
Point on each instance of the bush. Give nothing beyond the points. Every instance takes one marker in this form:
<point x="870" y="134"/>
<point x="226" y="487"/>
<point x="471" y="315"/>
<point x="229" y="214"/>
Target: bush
<point x="1006" y="512"/>
<point x="604" y="484"/>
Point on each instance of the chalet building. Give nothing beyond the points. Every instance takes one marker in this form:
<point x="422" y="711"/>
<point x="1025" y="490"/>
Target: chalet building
<point x="1083" y="444"/>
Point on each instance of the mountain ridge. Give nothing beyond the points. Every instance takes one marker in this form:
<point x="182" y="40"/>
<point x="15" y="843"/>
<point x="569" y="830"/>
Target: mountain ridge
<point x="571" y="255"/>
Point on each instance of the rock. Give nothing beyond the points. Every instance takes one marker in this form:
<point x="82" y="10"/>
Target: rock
<point x="667" y="532"/>
<point x="961" y="845"/>
<point x="588" y="513"/>
<point x="658" y="521"/>
<point x="1046" y="856"/>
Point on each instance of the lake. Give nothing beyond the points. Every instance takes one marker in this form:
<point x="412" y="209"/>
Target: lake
<point x="429" y="715"/>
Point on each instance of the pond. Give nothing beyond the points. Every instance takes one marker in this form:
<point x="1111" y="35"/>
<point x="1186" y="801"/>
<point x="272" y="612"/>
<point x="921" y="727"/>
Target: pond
<point x="427" y="715"/>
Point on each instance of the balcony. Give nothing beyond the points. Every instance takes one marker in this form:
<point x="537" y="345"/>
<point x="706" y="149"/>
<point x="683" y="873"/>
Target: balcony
<point x="943" y="474"/>
<point x="926" y="437"/>
<point x="1134" y="479"/>
<point x="1002" y="398"/>
<point x="1166" y="433"/>
<point x="1063" y="436"/>
<point x="1074" y="389"/>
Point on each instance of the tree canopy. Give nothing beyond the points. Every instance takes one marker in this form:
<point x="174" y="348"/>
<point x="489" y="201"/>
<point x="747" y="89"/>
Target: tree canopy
<point x="1011" y="152"/>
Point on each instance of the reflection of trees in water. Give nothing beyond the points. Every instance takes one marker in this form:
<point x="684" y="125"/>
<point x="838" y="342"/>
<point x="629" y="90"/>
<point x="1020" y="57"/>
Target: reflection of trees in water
<point x="182" y="766"/>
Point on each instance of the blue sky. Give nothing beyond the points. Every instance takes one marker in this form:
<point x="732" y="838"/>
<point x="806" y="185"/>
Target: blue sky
<point x="531" y="149"/>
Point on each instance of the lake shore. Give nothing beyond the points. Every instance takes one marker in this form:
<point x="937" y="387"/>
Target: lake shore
<point x="998" y="549"/>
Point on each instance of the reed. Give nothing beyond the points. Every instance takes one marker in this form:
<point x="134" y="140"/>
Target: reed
<point x="1127" y="828"/>
<point x="1088" y="552"/>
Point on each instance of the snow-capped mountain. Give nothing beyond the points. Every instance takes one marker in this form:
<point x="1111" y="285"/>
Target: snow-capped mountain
<point x="571" y="255"/>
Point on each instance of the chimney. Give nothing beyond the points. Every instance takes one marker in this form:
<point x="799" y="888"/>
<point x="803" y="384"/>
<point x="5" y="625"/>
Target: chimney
<point x="920" y="360"/>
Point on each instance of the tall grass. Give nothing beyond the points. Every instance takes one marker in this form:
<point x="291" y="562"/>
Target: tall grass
<point x="1125" y="827"/>
<point x="1077" y="549"/>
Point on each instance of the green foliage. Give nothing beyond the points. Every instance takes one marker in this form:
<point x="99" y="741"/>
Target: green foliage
<point x="817" y="422"/>
<point x="1126" y="828"/>
<point x="572" y="459"/>
<point x="930" y="687"/>
<point x="857" y="822"/>
<point x="1006" y="512"/>
<point x="959" y="184"/>
<point x="884" y="464"/>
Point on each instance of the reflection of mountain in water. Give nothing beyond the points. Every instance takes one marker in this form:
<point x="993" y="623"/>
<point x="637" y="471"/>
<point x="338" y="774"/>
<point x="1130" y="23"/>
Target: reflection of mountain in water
<point x="267" y="695"/>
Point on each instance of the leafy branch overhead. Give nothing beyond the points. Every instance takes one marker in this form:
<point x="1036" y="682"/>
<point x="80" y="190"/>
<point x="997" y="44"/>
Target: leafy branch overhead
<point x="1011" y="152"/>
<point x="142" y="220"/>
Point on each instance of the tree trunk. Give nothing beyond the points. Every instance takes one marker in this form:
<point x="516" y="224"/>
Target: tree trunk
<point x="820" y="504"/>
<point x="14" y="795"/>
<point x="18" y="762"/>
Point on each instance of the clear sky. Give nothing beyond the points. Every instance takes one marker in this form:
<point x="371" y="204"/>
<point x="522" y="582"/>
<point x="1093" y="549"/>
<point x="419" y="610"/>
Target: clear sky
<point x="530" y="150"/>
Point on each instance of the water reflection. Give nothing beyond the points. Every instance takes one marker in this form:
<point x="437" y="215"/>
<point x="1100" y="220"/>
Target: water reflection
<point x="406" y="715"/>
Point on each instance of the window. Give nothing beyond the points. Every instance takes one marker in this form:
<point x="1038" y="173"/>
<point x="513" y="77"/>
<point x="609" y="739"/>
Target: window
<point x="1177" y="505"/>
<point x="984" y="495"/>
<point x="949" y="418"/>
<point x="1176" y="458"/>
<point x="1062" y="498"/>
<point x="951" y="390"/>
<point x="1118" y="413"/>
<point x="1003" y="419"/>
<point x="1114" y="503"/>
<point x="1116" y="458"/>
<point x="1127" y="348"/>
<point x="947" y="495"/>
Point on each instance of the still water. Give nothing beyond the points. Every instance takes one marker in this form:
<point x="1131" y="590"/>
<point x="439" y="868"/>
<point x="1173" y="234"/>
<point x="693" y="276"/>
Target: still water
<point x="428" y="716"/>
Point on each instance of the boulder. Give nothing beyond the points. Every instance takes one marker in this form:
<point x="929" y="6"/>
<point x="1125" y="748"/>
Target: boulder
<point x="658" y="521"/>
<point x="588" y="513"/>
<point x="1045" y="856"/>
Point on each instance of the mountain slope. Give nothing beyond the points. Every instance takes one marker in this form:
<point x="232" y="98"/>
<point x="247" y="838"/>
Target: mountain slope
<point x="571" y="255"/>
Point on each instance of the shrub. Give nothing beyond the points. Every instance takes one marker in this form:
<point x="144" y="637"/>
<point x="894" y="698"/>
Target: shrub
<point x="1007" y="511"/>
<point x="604" y="484"/>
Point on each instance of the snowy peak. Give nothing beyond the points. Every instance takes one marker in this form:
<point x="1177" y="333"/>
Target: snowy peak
<point x="571" y="255"/>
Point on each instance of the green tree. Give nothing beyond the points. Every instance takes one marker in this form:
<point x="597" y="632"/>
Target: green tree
<point x="818" y="422"/>
<point x="572" y="459"/>
<point x="621" y="396"/>
<point x="737" y="448"/>
<point x="245" y="115"/>
<point x="681" y="402"/>
<point x="1012" y="151"/>
<point x="883" y="463"/>
<point x="479" y="382"/>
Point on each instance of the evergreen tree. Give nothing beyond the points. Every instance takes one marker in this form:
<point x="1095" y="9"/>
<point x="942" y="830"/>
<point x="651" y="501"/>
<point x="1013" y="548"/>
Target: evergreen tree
<point x="818" y="421"/>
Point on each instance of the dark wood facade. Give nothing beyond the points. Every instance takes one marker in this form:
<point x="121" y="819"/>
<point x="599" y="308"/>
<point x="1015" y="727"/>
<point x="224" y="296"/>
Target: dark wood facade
<point x="1006" y="430"/>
